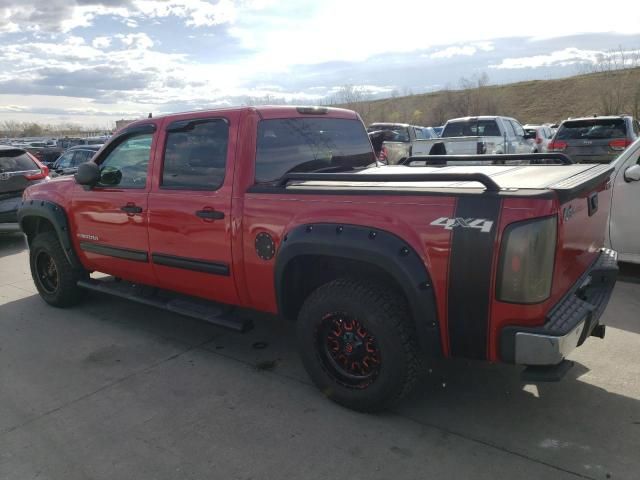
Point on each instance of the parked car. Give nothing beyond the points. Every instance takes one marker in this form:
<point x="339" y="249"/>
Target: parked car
<point x="18" y="170"/>
<point x="47" y="155"/>
<point x="595" y="139"/>
<point x="623" y="233"/>
<point x="401" y="141"/>
<point x="485" y="134"/>
<point x="69" y="161"/>
<point x="277" y="209"/>
<point x="540" y="135"/>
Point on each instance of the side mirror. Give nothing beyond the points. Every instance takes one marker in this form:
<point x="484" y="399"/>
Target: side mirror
<point x="632" y="174"/>
<point x="88" y="174"/>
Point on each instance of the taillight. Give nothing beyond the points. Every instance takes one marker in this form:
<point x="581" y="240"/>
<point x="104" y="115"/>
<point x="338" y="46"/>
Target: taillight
<point x="527" y="254"/>
<point x="557" y="146"/>
<point x="619" y="144"/>
<point x="44" y="171"/>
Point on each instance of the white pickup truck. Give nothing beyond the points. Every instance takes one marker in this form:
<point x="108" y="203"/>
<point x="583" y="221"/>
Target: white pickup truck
<point x="394" y="142"/>
<point x="485" y="135"/>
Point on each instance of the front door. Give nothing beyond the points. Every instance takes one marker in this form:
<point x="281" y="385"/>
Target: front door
<point x="110" y="220"/>
<point x="190" y="209"/>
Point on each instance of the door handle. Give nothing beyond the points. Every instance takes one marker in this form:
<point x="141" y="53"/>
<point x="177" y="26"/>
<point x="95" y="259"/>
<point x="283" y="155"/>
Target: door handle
<point x="210" y="214"/>
<point x="130" y="209"/>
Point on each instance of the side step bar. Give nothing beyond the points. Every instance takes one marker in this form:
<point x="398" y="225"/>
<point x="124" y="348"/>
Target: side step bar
<point x="193" y="307"/>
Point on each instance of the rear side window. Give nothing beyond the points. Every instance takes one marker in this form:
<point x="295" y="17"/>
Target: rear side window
<point x="310" y="145"/>
<point x="472" y="128"/>
<point x="195" y="156"/>
<point x="517" y="128"/>
<point x="16" y="161"/>
<point x="592" y="129"/>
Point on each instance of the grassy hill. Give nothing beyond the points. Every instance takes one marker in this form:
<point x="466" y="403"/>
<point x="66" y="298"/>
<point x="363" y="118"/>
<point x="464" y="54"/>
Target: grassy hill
<point x="535" y="101"/>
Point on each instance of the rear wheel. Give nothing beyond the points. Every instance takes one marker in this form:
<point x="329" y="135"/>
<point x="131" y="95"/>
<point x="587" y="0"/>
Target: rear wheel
<point x="54" y="277"/>
<point x="357" y="344"/>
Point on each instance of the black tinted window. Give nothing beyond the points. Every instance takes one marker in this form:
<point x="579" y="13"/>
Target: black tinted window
<point x="308" y="145"/>
<point x="16" y="161"/>
<point x="195" y="157"/>
<point x="471" y="128"/>
<point x="592" y="129"/>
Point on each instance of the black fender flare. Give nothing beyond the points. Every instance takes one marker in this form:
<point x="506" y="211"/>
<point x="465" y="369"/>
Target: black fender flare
<point x="374" y="246"/>
<point x="56" y="215"/>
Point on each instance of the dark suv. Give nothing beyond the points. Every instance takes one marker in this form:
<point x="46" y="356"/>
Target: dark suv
<point x="18" y="170"/>
<point x="68" y="162"/>
<point x="595" y="139"/>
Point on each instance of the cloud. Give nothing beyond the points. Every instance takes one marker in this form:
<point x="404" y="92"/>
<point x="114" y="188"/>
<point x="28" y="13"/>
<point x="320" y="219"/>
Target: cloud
<point x="567" y="56"/>
<point x="101" y="42"/>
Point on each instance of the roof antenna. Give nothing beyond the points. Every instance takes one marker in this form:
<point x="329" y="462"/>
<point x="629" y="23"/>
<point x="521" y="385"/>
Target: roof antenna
<point x="150" y="115"/>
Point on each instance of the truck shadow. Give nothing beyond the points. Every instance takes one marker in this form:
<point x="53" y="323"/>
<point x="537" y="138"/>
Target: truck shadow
<point x="11" y="243"/>
<point x="585" y="423"/>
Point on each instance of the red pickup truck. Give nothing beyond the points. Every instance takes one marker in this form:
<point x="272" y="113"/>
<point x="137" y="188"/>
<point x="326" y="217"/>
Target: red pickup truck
<point x="284" y="210"/>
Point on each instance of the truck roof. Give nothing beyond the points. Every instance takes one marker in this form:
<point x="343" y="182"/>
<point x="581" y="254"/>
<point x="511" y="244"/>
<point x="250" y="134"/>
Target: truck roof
<point x="480" y="117"/>
<point x="265" y="111"/>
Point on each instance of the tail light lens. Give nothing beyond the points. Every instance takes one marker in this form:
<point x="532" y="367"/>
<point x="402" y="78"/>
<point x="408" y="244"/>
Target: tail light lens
<point x="527" y="255"/>
<point x="619" y="144"/>
<point x="557" y="146"/>
<point x="38" y="175"/>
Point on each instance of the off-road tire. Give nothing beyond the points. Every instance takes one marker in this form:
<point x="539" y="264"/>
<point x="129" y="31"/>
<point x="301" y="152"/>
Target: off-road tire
<point x="381" y="312"/>
<point x="66" y="291"/>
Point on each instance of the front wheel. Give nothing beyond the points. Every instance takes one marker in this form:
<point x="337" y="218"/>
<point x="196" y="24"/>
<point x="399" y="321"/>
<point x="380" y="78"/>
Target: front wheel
<point x="357" y="344"/>
<point x="54" y="277"/>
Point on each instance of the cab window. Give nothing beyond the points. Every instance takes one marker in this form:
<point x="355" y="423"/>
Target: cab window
<point x="195" y="155"/>
<point x="127" y="164"/>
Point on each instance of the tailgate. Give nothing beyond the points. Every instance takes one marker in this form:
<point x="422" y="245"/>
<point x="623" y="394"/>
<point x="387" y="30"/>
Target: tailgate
<point x="583" y="214"/>
<point x="464" y="145"/>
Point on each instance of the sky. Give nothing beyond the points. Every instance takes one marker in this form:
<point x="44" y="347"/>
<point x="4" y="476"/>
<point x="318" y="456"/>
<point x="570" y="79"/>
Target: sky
<point x="95" y="61"/>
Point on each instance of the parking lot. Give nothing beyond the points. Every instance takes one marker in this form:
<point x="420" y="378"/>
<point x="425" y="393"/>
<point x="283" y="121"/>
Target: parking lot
<point x="112" y="389"/>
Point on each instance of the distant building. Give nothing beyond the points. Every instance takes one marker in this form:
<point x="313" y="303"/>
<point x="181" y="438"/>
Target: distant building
<point x="123" y="123"/>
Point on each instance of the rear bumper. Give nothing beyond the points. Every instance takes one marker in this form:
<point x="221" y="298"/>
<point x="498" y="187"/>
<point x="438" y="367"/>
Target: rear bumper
<point x="569" y="322"/>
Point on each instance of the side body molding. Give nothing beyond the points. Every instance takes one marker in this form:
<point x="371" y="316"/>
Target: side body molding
<point x="376" y="247"/>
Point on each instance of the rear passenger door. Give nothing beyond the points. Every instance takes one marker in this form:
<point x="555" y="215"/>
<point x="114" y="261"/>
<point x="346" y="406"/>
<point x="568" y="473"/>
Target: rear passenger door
<point x="190" y="225"/>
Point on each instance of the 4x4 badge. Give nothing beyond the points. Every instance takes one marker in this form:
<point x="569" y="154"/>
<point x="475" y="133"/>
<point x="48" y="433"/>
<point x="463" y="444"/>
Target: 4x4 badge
<point x="481" y="224"/>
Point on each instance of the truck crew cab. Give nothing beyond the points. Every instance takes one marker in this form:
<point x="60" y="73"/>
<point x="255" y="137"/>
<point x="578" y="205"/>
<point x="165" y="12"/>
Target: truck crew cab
<point x="285" y="210"/>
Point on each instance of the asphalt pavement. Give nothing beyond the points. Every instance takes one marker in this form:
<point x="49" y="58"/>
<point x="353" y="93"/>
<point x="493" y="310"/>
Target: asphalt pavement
<point x="116" y="390"/>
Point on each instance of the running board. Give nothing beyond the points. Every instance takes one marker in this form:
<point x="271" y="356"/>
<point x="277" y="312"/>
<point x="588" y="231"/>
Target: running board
<point x="211" y="312"/>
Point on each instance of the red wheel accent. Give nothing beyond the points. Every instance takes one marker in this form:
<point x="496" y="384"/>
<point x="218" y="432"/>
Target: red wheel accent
<point x="349" y="352"/>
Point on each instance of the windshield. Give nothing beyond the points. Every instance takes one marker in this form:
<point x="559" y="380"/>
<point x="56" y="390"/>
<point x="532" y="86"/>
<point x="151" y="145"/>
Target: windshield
<point x="310" y="145"/>
<point x="471" y="128"/>
<point x="592" y="129"/>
